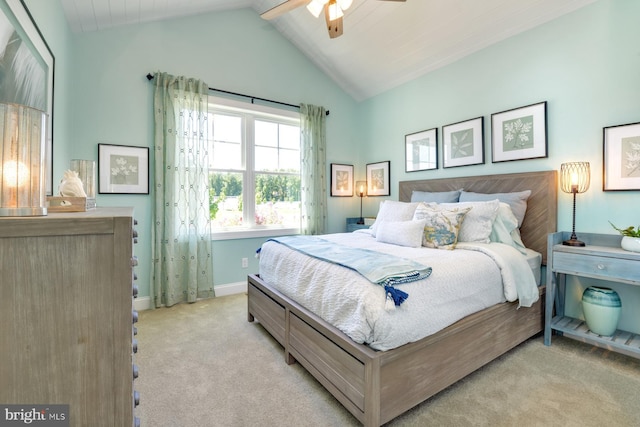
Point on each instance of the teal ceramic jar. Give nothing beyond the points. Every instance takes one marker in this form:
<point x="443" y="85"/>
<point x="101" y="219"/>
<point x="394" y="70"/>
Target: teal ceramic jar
<point x="601" y="308"/>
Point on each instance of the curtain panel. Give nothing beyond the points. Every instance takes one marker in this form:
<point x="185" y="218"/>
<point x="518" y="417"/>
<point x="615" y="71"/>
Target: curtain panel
<point x="314" y="166"/>
<point x="181" y="241"/>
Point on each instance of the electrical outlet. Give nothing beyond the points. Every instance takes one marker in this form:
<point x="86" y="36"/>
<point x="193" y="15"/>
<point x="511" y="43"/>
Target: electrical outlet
<point x="245" y="262"/>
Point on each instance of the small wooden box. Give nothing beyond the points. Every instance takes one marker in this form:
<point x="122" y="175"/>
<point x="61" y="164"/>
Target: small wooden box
<point x="70" y="204"/>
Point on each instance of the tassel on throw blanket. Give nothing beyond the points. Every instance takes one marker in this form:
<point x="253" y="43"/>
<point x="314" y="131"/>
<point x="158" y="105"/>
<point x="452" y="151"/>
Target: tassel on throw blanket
<point x="381" y="269"/>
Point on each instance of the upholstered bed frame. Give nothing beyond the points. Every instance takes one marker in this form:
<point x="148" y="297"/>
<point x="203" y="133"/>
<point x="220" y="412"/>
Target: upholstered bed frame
<point x="377" y="386"/>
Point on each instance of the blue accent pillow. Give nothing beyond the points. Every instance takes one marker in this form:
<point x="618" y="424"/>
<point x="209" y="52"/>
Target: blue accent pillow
<point x="435" y="197"/>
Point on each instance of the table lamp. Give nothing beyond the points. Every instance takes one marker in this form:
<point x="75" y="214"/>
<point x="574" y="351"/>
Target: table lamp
<point x="22" y="148"/>
<point x="361" y="189"/>
<point x="574" y="178"/>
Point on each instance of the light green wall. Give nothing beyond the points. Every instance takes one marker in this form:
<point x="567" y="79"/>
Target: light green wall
<point x="110" y="99"/>
<point x="585" y="65"/>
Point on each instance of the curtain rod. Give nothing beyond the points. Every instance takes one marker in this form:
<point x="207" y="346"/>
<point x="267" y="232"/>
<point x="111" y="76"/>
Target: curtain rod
<point x="253" y="98"/>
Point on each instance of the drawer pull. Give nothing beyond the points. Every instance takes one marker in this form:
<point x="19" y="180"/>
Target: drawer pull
<point x="601" y="267"/>
<point x="135" y="371"/>
<point x="136" y="422"/>
<point x="134" y="346"/>
<point x="135" y="316"/>
<point x="135" y="331"/>
<point x="134" y="261"/>
<point x="136" y="398"/>
<point x="135" y="291"/>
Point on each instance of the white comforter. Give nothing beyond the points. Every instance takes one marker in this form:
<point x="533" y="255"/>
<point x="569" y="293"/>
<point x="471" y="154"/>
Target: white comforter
<point x="462" y="282"/>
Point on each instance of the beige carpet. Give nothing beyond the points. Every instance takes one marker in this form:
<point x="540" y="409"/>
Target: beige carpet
<point x="203" y="364"/>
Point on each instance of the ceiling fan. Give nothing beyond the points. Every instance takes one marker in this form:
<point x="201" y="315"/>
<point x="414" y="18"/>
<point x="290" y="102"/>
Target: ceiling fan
<point x="333" y="11"/>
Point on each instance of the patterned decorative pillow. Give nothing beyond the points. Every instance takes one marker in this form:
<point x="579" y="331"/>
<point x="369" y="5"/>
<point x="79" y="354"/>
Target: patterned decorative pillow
<point x="442" y="224"/>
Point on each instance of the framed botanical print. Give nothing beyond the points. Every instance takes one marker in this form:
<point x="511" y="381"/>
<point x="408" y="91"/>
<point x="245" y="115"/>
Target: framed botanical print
<point x="421" y="150"/>
<point x="341" y="180"/>
<point x="621" y="160"/>
<point x="123" y="169"/>
<point x="378" y="179"/>
<point x="463" y="143"/>
<point x="519" y="134"/>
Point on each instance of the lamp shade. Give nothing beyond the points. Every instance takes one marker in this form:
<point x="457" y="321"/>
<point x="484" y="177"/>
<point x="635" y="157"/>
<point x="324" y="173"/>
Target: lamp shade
<point x="361" y="188"/>
<point x="575" y="177"/>
<point x="22" y="145"/>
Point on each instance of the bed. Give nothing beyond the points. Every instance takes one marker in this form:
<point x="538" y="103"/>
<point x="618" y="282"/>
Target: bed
<point x="377" y="386"/>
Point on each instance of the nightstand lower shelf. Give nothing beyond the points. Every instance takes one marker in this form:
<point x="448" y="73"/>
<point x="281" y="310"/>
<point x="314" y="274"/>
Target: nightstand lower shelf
<point x="621" y="341"/>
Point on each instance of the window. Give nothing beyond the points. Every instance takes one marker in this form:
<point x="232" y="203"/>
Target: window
<point x="255" y="170"/>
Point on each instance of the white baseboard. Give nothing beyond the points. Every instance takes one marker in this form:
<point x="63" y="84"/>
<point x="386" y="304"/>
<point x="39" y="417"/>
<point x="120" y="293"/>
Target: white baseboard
<point x="144" y="303"/>
<point x="231" y="289"/>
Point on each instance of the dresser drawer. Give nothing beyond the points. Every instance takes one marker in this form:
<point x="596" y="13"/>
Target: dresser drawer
<point x="596" y="266"/>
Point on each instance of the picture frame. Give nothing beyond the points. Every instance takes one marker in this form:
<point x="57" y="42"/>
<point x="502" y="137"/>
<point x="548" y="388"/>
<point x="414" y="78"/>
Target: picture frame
<point x="463" y="143"/>
<point x="123" y="169"/>
<point x="621" y="157"/>
<point x="341" y="180"/>
<point x="421" y="150"/>
<point x="519" y="133"/>
<point x="378" y="178"/>
<point x="37" y="65"/>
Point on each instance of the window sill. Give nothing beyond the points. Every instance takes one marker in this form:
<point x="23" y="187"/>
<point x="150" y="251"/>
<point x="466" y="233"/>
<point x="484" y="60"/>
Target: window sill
<point x="253" y="233"/>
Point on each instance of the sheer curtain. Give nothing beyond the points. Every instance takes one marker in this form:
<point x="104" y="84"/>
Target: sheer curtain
<point x="181" y="241"/>
<point x="313" y="180"/>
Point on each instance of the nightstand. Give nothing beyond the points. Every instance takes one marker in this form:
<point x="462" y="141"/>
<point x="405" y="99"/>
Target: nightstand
<point x="352" y="224"/>
<point x="601" y="258"/>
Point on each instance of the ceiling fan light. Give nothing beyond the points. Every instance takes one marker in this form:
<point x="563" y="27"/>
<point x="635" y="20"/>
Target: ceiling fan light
<point x="335" y="11"/>
<point x="345" y="4"/>
<point x="316" y="6"/>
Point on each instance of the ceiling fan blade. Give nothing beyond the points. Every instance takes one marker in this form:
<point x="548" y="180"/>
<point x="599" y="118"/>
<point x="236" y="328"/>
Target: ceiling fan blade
<point x="282" y="8"/>
<point x="334" y="27"/>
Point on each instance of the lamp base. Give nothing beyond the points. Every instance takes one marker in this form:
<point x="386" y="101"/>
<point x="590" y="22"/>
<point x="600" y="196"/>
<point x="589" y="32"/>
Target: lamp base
<point x="23" y="211"/>
<point x="360" y="221"/>
<point x="573" y="242"/>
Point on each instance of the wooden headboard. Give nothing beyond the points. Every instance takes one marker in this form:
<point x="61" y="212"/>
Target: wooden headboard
<point x="542" y="206"/>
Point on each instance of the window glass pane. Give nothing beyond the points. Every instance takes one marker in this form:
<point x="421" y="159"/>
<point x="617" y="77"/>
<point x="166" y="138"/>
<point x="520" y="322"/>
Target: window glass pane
<point x="226" y="155"/>
<point x="227" y="142"/>
<point x="277" y="200"/>
<point x="266" y="159"/>
<point x="266" y="133"/>
<point x="227" y="128"/>
<point x="289" y="137"/>
<point x="226" y="199"/>
<point x="290" y="160"/>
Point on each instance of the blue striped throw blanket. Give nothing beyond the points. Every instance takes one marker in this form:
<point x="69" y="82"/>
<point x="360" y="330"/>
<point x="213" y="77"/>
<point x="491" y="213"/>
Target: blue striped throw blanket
<point x="379" y="268"/>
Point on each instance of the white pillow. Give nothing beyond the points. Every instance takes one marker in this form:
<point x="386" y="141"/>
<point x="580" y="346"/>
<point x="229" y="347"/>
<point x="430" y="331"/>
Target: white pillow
<point x="391" y="210"/>
<point x="505" y="229"/>
<point x="402" y="233"/>
<point x="478" y="222"/>
<point x="516" y="200"/>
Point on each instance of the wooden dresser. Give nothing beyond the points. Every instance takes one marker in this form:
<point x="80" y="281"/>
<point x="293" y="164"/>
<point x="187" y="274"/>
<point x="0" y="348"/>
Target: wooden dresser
<point x="66" y="314"/>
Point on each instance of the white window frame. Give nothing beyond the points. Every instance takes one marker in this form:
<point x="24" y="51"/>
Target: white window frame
<point x="231" y="106"/>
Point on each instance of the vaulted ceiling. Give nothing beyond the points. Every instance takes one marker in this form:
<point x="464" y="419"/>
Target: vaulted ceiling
<point x="384" y="43"/>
